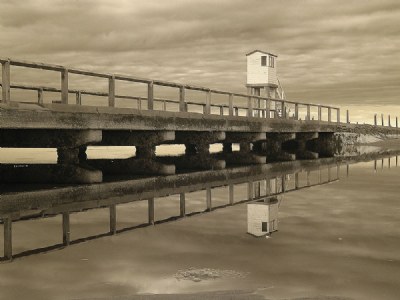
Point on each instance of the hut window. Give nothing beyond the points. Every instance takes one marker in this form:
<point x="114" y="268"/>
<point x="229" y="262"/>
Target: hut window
<point x="264" y="226"/>
<point x="271" y="62"/>
<point x="263" y="60"/>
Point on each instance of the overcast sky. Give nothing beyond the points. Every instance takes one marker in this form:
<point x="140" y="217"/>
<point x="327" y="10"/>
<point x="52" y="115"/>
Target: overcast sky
<point x="331" y="51"/>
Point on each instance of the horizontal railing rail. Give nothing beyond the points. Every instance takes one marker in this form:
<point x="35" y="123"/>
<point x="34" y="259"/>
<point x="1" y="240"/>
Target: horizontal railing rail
<point x="263" y="107"/>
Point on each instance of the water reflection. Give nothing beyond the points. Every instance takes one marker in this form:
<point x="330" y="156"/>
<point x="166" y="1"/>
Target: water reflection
<point x="265" y="184"/>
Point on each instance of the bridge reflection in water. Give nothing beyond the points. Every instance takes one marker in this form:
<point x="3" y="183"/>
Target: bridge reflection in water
<point x="262" y="181"/>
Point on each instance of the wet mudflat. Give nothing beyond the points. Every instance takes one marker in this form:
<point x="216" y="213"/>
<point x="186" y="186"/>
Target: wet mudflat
<point x="340" y="239"/>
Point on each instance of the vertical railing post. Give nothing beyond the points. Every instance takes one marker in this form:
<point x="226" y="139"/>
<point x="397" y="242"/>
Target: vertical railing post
<point x="139" y="103"/>
<point x="182" y="205"/>
<point x="111" y="91"/>
<point x="64" y="86"/>
<point x="208" y="199"/>
<point x="231" y="193"/>
<point x="338" y="115"/>
<point x="79" y="98"/>
<point x="319" y="113"/>
<point x="308" y="117"/>
<point x="66" y="228"/>
<point x="221" y="110"/>
<point x="296" y="180"/>
<point x="347" y="116"/>
<point x="151" y="211"/>
<point x="296" y="111"/>
<point x="40" y="96"/>
<point x="250" y="193"/>
<point x="329" y="114"/>
<point x="6" y="81"/>
<point x="113" y="219"/>
<point x="7" y="224"/>
<point x="231" y="104"/>
<point x="165" y="105"/>
<point x="208" y="103"/>
<point x="283" y="109"/>
<point x="389" y="123"/>
<point x="397" y="122"/>
<point x="267" y="108"/>
<point x="375" y="119"/>
<point x="150" y="95"/>
<point x="182" y="104"/>
<point x="236" y="111"/>
<point x="383" y="122"/>
<point x="249" y="106"/>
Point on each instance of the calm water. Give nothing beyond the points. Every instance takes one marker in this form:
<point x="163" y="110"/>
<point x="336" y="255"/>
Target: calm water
<point x="338" y="238"/>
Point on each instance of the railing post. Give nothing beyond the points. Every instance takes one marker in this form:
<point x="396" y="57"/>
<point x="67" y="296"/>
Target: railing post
<point x="329" y="114"/>
<point x="139" y="103"/>
<point x="111" y="91"/>
<point x="347" y="116"/>
<point x="237" y="111"/>
<point x="182" y="205"/>
<point x="319" y="113"/>
<point x="389" y="123"/>
<point x="221" y="110"/>
<point x="6" y="81"/>
<point x="150" y="95"/>
<point x="208" y="199"/>
<point x="7" y="224"/>
<point x="231" y="194"/>
<point x="397" y="122"/>
<point x="64" y="86"/>
<point x="308" y="112"/>
<point x="267" y="108"/>
<point x="249" y="106"/>
<point x="182" y="106"/>
<point x="296" y="111"/>
<point x="338" y="115"/>
<point x="66" y="228"/>
<point x="113" y="219"/>
<point x="383" y="122"/>
<point x="231" y="104"/>
<point x="151" y="211"/>
<point x="283" y="109"/>
<point x="375" y="119"/>
<point x="79" y="98"/>
<point x="208" y="103"/>
<point x="40" y="96"/>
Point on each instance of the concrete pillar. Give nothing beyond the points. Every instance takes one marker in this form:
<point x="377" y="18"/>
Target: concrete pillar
<point x="113" y="219"/>
<point x="66" y="228"/>
<point x="64" y="86"/>
<point x="273" y="146"/>
<point x="151" y="210"/>
<point x="231" y="194"/>
<point x="230" y="104"/>
<point x="208" y="199"/>
<point x="182" y="205"/>
<point x="111" y="91"/>
<point x="182" y="104"/>
<point x="147" y="151"/>
<point x="299" y="145"/>
<point x="150" y="96"/>
<point x="245" y="147"/>
<point x="6" y="81"/>
<point x="7" y="223"/>
<point x="227" y="147"/>
<point x="324" y="145"/>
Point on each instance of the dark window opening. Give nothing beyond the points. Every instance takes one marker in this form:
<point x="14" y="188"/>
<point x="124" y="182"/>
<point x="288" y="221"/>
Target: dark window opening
<point x="263" y="60"/>
<point x="271" y="61"/>
<point x="264" y="226"/>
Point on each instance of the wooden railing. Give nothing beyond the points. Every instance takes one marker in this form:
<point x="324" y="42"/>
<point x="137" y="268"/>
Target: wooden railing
<point x="263" y="107"/>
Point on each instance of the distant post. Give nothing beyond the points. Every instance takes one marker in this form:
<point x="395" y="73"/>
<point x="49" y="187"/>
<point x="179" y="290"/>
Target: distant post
<point x="347" y="116"/>
<point x="231" y="197"/>
<point x="66" y="228"/>
<point x="375" y="119"/>
<point x="6" y="81"/>
<point x="397" y="122"/>
<point x="329" y="114"/>
<point x="267" y="108"/>
<point x="182" y="106"/>
<point x="383" y="123"/>
<point x="389" y="123"/>
<point x="296" y="111"/>
<point x="231" y="104"/>
<point x="151" y="211"/>
<point x="111" y="91"/>
<point x="283" y="109"/>
<point x="208" y="103"/>
<point x="182" y="205"/>
<point x="338" y="115"/>
<point x="319" y="113"/>
<point x="113" y="219"/>
<point x="64" y="86"/>
<point x="308" y="112"/>
<point x="7" y="224"/>
<point x="150" y="95"/>
<point x="208" y="199"/>
<point x="78" y="98"/>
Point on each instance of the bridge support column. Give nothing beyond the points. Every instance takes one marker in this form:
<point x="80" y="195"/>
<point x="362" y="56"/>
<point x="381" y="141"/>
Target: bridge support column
<point x="299" y="145"/>
<point x="324" y="145"/>
<point x="273" y="146"/>
<point x="244" y="156"/>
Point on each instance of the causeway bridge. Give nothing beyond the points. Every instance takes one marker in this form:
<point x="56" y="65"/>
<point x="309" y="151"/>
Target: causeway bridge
<point x="264" y="127"/>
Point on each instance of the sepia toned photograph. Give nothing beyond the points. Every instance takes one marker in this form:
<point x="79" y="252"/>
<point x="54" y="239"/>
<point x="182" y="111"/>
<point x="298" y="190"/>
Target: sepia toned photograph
<point x="199" y="149"/>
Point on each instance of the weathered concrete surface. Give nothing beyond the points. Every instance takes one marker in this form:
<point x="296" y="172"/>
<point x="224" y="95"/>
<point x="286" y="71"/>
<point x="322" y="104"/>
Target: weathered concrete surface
<point x="298" y="146"/>
<point x="273" y="146"/>
<point x="242" y="158"/>
<point x="59" y="116"/>
<point x="194" y="162"/>
<point x="136" y="138"/>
